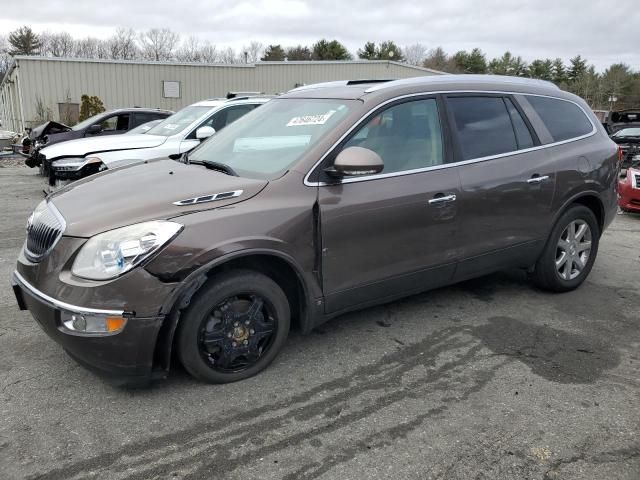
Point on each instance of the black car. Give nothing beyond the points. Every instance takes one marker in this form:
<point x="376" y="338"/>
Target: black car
<point x="629" y="141"/>
<point x="112" y="122"/>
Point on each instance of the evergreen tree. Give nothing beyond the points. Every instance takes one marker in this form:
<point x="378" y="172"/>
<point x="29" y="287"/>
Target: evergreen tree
<point x="273" y="53"/>
<point x="329" y="50"/>
<point x="24" y="41"/>
<point x="298" y="53"/>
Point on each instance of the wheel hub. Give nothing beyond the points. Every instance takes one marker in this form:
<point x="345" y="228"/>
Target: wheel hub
<point x="240" y="333"/>
<point x="237" y="332"/>
<point x="573" y="249"/>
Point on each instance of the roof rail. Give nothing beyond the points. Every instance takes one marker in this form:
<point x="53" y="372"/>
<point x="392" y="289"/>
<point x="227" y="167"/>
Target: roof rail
<point x="363" y="81"/>
<point x="435" y="79"/>
<point x="341" y="83"/>
<point x="231" y="95"/>
<point x="247" y="97"/>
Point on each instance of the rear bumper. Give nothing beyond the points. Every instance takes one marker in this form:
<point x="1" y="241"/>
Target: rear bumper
<point x="125" y="358"/>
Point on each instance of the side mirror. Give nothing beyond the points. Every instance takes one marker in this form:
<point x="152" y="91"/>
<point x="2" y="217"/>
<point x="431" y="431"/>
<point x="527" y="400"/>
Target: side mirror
<point x="204" y="132"/>
<point x="95" y="128"/>
<point x="356" y="161"/>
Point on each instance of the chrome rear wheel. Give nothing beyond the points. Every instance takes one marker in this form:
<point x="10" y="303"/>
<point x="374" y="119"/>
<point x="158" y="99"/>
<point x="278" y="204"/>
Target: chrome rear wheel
<point x="573" y="249"/>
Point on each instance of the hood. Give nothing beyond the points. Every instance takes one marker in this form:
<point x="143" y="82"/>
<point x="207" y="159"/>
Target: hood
<point x="48" y="128"/>
<point x="142" y="192"/>
<point x="107" y="143"/>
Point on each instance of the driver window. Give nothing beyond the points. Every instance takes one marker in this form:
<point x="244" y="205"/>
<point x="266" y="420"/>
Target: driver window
<point x="224" y="117"/>
<point x="407" y="136"/>
<point x="116" y="123"/>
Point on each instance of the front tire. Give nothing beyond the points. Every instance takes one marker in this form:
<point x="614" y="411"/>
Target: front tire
<point x="570" y="251"/>
<point x="236" y="325"/>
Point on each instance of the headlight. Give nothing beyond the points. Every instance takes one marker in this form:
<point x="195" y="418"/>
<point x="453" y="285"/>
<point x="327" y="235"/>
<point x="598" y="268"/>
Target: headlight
<point x="113" y="253"/>
<point x="73" y="164"/>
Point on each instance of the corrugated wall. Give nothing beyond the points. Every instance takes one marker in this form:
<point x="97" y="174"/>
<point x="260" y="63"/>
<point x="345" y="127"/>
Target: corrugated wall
<point x="125" y="84"/>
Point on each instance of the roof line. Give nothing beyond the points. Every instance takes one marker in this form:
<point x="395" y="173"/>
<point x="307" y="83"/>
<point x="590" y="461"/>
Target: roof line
<point x="228" y="65"/>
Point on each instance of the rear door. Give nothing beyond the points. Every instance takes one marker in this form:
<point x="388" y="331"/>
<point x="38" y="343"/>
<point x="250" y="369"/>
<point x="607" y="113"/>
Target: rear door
<point x="507" y="183"/>
<point x="393" y="233"/>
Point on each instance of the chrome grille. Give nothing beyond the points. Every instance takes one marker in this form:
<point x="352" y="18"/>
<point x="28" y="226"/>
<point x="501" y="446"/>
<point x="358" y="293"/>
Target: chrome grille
<point x="44" y="228"/>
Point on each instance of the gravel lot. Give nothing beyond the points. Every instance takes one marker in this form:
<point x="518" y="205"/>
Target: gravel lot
<point x="489" y="379"/>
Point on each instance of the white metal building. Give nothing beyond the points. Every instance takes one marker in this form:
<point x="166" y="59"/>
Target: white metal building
<point x="56" y="83"/>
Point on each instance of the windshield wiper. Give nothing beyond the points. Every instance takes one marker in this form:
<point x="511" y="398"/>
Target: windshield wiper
<point x="220" y="167"/>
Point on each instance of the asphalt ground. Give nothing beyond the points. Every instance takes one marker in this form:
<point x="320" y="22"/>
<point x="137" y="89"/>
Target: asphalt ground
<point x="489" y="379"/>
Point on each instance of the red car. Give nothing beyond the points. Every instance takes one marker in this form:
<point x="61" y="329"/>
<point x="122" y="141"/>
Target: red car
<point x="629" y="191"/>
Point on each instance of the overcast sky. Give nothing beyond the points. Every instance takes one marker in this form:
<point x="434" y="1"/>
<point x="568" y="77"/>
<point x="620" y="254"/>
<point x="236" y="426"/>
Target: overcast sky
<point x="603" y="31"/>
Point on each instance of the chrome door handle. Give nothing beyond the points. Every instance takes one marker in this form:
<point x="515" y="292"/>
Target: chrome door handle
<point x="535" y="180"/>
<point x="444" y="199"/>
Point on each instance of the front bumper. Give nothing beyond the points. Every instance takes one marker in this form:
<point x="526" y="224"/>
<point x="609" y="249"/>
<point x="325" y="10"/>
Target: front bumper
<point x="125" y="357"/>
<point x="629" y="192"/>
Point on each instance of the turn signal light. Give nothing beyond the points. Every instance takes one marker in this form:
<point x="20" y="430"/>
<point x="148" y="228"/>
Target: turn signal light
<point x="113" y="324"/>
<point x="92" y="324"/>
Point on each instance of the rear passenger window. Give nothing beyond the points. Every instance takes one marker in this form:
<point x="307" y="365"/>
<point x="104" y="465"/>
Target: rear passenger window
<point x="523" y="135"/>
<point x="483" y="126"/>
<point x="407" y="136"/>
<point x="563" y="119"/>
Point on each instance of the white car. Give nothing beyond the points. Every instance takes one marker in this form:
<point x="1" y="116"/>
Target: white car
<point x="177" y="134"/>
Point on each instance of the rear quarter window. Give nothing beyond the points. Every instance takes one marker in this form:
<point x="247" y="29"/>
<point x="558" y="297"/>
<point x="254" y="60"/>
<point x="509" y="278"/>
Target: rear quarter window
<point x="564" y="120"/>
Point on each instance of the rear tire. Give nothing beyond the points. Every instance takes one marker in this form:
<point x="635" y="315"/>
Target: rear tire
<point x="236" y="325"/>
<point x="570" y="251"/>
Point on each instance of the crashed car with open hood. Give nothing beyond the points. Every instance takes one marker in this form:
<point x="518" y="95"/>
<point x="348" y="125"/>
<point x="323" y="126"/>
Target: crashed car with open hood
<point x="327" y="199"/>
<point x="177" y="134"/>
<point x="112" y="122"/>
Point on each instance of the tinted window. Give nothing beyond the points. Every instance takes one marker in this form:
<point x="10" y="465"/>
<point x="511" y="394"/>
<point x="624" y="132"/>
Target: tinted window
<point x="523" y="135"/>
<point x="406" y="136"/>
<point x="483" y="125"/>
<point x="563" y="119"/>
<point x="223" y="117"/>
<point x="227" y="116"/>
<point x="116" y="123"/>
<point x="177" y="122"/>
<point x="141" y="118"/>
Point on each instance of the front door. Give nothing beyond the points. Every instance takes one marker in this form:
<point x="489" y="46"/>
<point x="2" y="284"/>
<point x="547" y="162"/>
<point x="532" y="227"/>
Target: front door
<point x="393" y="233"/>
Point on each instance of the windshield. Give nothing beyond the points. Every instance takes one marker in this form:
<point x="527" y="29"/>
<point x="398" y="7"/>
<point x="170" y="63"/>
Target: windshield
<point x="628" y="132"/>
<point x="85" y="123"/>
<point x="177" y="122"/>
<point x="144" y="128"/>
<point x="264" y="143"/>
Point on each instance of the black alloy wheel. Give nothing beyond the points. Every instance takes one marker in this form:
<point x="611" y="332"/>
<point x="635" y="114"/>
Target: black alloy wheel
<point x="235" y="326"/>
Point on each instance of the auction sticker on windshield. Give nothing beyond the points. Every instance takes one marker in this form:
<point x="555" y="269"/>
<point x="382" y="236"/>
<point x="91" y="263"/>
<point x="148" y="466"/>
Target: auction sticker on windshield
<point x="311" y="119"/>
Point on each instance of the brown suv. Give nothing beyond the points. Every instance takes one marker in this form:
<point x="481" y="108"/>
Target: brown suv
<point x="327" y="199"/>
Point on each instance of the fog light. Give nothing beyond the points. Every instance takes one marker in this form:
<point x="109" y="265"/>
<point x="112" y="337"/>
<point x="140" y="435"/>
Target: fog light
<point x="92" y="324"/>
<point x="79" y="322"/>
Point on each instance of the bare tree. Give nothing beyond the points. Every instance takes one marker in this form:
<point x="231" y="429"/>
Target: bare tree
<point x="89" y="48"/>
<point x="438" y="59"/>
<point x="190" y="50"/>
<point x="159" y="43"/>
<point x="228" y="55"/>
<point x="252" y="52"/>
<point x="209" y="53"/>
<point x="59" y="44"/>
<point x="5" y="58"/>
<point x="122" y="45"/>
<point x="415" y="54"/>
